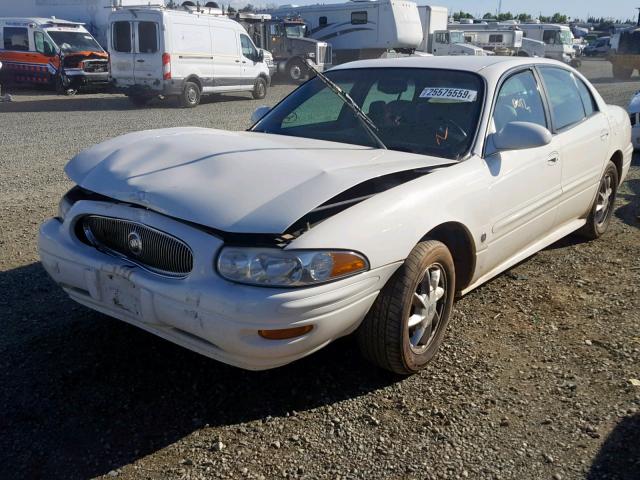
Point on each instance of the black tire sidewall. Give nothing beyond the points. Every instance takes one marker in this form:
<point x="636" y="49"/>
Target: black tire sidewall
<point x="260" y="89"/>
<point x="186" y="102"/>
<point x="438" y="254"/>
<point x="601" y="229"/>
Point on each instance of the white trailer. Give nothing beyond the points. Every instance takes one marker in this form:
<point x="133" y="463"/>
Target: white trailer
<point x="94" y="14"/>
<point x="432" y="19"/>
<point x="361" y="28"/>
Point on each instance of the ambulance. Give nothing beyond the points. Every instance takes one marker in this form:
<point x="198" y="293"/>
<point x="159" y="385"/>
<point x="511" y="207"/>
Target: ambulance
<point x="49" y="51"/>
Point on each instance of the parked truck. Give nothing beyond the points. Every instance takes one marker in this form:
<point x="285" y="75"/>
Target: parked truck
<point x="624" y="54"/>
<point x="287" y="40"/>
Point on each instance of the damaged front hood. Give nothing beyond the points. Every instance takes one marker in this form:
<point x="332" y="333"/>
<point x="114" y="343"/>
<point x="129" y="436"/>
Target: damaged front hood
<point x="238" y="182"/>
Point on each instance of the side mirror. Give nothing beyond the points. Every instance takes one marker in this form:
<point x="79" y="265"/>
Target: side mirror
<point x="260" y="58"/>
<point x="520" y="136"/>
<point x="259" y="113"/>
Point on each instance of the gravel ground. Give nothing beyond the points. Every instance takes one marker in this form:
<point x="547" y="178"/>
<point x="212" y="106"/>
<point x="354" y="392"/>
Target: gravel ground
<point x="534" y="380"/>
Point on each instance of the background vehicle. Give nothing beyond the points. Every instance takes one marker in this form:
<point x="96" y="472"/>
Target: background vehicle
<point x="634" y="116"/>
<point x="452" y="42"/>
<point x="286" y="39"/>
<point x="624" y="54"/>
<point x="48" y="51"/>
<point x="432" y="18"/>
<point x="94" y="14"/>
<point x="361" y="29"/>
<point x="601" y="46"/>
<point x="186" y="54"/>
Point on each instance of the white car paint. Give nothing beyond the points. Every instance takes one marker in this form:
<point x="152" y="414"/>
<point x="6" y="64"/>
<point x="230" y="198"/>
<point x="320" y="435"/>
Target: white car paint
<point x="634" y="115"/>
<point x="511" y="204"/>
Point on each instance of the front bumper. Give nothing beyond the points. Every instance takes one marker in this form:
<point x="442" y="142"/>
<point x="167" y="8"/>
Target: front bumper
<point x="203" y="312"/>
<point x="79" y="77"/>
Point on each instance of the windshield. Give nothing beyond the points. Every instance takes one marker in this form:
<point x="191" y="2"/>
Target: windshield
<point x="295" y="31"/>
<point x="75" y="41"/>
<point x="558" y="37"/>
<point x="457" y="37"/>
<point x="424" y="111"/>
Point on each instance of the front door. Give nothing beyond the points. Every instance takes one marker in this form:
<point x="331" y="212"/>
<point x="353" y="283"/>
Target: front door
<point x="250" y="64"/>
<point x="525" y="185"/>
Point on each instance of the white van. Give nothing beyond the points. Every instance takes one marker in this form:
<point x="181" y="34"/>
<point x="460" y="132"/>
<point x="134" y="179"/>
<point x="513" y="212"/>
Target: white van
<point x="187" y="54"/>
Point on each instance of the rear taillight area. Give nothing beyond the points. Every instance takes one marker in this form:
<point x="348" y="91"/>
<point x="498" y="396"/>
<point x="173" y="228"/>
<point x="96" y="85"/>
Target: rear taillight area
<point x="166" y="66"/>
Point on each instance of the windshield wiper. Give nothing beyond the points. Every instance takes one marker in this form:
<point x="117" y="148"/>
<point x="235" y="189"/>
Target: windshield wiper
<point x="366" y="122"/>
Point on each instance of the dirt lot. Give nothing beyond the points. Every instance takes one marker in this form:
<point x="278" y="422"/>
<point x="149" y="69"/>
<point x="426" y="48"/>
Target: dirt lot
<point x="533" y="382"/>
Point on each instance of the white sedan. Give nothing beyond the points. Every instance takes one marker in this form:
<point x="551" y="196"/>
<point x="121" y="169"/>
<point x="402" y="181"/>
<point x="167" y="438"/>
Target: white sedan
<point x="364" y="202"/>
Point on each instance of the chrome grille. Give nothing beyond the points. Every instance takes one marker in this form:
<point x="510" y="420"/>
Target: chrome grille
<point x="143" y="245"/>
<point x="324" y="54"/>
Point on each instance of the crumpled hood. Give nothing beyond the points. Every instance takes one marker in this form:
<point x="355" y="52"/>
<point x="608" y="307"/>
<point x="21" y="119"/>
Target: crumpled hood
<point x="239" y="182"/>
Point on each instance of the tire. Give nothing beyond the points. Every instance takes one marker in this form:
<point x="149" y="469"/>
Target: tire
<point x="296" y="71"/>
<point x="385" y="337"/>
<point x="602" y="209"/>
<point x="259" y="89"/>
<point x="139" y="100"/>
<point x="622" y="73"/>
<point x="190" y="96"/>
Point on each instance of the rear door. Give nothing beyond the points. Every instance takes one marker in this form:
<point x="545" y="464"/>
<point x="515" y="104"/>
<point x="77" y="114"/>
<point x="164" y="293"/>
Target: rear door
<point x="583" y="134"/>
<point x="122" y="52"/>
<point x="147" y="69"/>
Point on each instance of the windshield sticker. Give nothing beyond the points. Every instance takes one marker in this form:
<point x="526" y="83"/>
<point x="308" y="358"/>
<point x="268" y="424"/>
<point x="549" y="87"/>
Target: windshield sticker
<point x="452" y="94"/>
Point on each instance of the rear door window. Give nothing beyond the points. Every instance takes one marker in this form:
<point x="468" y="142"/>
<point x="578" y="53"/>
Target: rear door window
<point x="590" y="106"/>
<point x="16" y="39"/>
<point x="122" y="37"/>
<point x="147" y="37"/>
<point x="564" y="98"/>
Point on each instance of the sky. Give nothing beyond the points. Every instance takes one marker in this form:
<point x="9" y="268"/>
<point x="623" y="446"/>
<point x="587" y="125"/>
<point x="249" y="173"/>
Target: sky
<point x="622" y="9"/>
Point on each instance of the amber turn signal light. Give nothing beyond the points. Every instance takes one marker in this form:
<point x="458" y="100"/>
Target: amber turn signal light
<point x="346" y="263"/>
<point x="286" y="333"/>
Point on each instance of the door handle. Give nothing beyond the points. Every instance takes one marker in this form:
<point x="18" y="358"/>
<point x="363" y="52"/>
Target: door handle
<point x="237" y="61"/>
<point x="140" y="60"/>
<point x="553" y="159"/>
<point x="244" y="61"/>
<point x="604" y="135"/>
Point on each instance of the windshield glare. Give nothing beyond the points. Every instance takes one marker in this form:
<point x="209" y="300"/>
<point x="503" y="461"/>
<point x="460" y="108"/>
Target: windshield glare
<point x="75" y="41"/>
<point x="424" y="111"/>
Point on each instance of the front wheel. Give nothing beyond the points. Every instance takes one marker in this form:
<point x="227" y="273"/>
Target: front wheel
<point x="259" y="89"/>
<point x="407" y="323"/>
<point x="190" y="96"/>
<point x="602" y="209"/>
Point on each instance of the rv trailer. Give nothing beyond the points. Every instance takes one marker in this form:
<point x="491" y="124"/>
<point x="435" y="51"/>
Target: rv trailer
<point x="361" y="29"/>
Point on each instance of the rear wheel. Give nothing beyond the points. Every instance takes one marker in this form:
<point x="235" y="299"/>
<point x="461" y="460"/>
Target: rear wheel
<point x="602" y="210"/>
<point x="622" y="73"/>
<point x="407" y="323"/>
<point x="190" y="96"/>
<point x="259" y="89"/>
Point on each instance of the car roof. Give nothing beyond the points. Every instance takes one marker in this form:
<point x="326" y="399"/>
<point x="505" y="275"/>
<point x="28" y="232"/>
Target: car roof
<point x="485" y="65"/>
<point x="40" y="20"/>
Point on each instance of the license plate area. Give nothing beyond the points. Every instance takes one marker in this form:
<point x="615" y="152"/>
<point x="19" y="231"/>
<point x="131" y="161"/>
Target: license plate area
<point x="121" y="293"/>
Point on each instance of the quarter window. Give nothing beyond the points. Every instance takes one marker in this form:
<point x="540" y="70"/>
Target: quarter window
<point x="359" y="18"/>
<point x="590" y="106"/>
<point x="147" y="37"/>
<point x="16" y="39"/>
<point x="519" y="100"/>
<point x="122" y="37"/>
<point x="564" y="98"/>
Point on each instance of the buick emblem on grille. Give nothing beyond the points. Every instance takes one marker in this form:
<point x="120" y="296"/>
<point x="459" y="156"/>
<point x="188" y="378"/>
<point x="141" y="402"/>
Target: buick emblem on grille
<point x="135" y="243"/>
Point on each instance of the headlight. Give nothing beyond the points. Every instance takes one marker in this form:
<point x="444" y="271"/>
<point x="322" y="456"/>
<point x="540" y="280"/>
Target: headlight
<point x="64" y="206"/>
<point x="312" y="55"/>
<point x="287" y="268"/>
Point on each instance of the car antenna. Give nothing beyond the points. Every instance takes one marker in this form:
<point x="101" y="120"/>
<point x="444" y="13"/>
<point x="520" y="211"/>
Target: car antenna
<point x="366" y="122"/>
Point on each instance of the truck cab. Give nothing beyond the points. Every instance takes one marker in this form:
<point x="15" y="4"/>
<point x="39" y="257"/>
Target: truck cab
<point x="287" y="40"/>
<point x="452" y="42"/>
